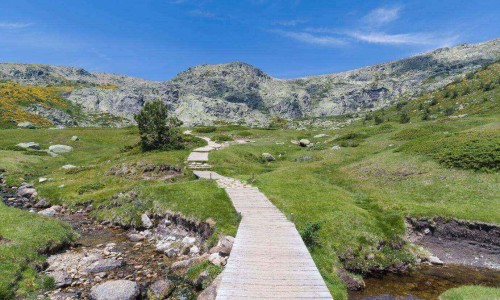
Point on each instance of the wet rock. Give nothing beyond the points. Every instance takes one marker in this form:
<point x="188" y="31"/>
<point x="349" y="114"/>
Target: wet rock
<point x="103" y="265"/>
<point x="162" y="246"/>
<point x="160" y="289"/>
<point x="49" y="212"/>
<point x="268" y="157"/>
<point x="194" y="250"/>
<point x="115" y="290"/>
<point x="26" y="192"/>
<point x="29" y="145"/>
<point x="304" y="142"/>
<point x="60" y="149"/>
<point x="146" y="221"/>
<point x="188" y="241"/>
<point x="61" y="279"/>
<point x="435" y="260"/>
<point x="136" y="237"/>
<point x="43" y="203"/>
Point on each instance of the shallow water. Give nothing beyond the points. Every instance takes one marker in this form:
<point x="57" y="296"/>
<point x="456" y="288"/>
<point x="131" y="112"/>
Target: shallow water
<point x="428" y="282"/>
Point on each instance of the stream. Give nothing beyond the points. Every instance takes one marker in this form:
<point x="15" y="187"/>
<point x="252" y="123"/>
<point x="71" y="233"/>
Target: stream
<point x="426" y="282"/>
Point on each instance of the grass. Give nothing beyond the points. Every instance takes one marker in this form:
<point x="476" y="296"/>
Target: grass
<point x="360" y="195"/>
<point x="120" y="199"/>
<point x="23" y="237"/>
<point x="471" y="293"/>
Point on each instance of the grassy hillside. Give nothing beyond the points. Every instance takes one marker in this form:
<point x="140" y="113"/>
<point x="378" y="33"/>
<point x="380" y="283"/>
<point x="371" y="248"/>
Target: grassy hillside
<point x="359" y="194"/>
<point x="96" y="153"/>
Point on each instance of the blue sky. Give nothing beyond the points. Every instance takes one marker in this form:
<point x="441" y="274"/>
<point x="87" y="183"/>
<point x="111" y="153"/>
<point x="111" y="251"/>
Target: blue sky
<point x="156" y="39"/>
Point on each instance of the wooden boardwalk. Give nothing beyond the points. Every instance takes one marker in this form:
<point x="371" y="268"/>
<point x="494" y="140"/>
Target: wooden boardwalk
<point x="269" y="259"/>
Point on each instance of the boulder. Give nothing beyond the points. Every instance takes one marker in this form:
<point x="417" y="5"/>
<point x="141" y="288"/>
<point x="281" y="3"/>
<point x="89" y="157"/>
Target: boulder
<point x="226" y="245"/>
<point x="320" y="135"/>
<point x="75" y="138"/>
<point x="194" y="250"/>
<point x="136" y="237"/>
<point x="49" y="212"/>
<point x="435" y="260"/>
<point x="268" y="157"/>
<point x="115" y="290"/>
<point x="29" y="145"/>
<point x="304" y="142"/>
<point x="103" y="265"/>
<point x="27" y="192"/>
<point x="160" y="289"/>
<point x="162" y="246"/>
<point x="43" y="203"/>
<point x="336" y="147"/>
<point x="188" y="241"/>
<point x="146" y="221"/>
<point x="42" y="179"/>
<point x="61" y="279"/>
<point x="60" y="149"/>
<point x="217" y="259"/>
<point x="182" y="264"/>
<point x="52" y="154"/>
<point x="28" y="125"/>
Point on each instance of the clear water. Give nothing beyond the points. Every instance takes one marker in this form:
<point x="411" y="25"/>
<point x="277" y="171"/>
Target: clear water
<point x="427" y="282"/>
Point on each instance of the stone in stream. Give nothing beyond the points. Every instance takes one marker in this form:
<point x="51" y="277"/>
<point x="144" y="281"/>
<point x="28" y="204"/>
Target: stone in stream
<point x="268" y="157"/>
<point x="42" y="204"/>
<point x="60" y="149"/>
<point x="162" y="246"/>
<point x="146" y="221"/>
<point x="49" y="212"/>
<point x="160" y="289"/>
<point x="61" y="279"/>
<point x="103" y="265"/>
<point x="29" y="145"/>
<point x="115" y="290"/>
<point x="136" y="237"/>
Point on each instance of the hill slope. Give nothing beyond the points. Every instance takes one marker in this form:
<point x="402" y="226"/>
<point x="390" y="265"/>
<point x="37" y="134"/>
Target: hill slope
<point x="238" y="92"/>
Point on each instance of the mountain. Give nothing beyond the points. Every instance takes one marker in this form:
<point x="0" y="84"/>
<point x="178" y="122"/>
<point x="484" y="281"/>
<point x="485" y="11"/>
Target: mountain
<point x="238" y="92"/>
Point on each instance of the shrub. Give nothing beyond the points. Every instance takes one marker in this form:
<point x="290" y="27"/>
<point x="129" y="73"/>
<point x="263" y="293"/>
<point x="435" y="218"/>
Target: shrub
<point x="205" y="129"/>
<point x="310" y="234"/>
<point x="244" y="133"/>
<point x="404" y="118"/>
<point x="158" y="130"/>
<point x="434" y="101"/>
<point x="378" y="120"/>
<point x="222" y="138"/>
<point x="449" y="110"/>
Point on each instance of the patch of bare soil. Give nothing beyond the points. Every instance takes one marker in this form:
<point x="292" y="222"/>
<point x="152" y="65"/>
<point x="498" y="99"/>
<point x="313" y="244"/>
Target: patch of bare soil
<point x="458" y="242"/>
<point x="145" y="171"/>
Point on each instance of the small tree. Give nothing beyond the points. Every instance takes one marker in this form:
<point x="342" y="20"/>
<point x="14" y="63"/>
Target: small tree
<point x="404" y="117"/>
<point x="158" y="130"/>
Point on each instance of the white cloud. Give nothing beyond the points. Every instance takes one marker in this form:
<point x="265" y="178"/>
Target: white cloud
<point x="381" y="16"/>
<point x="320" y="40"/>
<point x="290" y="23"/>
<point x="417" y="38"/>
<point x="14" y="25"/>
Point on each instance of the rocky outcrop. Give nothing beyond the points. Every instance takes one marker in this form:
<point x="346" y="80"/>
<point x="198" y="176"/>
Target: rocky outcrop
<point x="238" y="92"/>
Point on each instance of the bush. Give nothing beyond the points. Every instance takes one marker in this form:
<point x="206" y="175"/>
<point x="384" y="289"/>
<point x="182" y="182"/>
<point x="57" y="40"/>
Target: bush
<point x="205" y="129"/>
<point x="449" y="110"/>
<point x="222" y="138"/>
<point x="378" y="120"/>
<point x="404" y="118"/>
<point x="479" y="151"/>
<point x="310" y="234"/>
<point x="244" y="133"/>
<point x="158" y="130"/>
